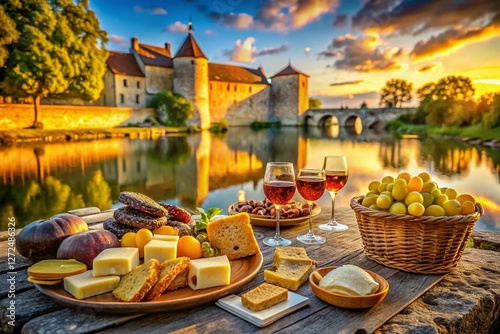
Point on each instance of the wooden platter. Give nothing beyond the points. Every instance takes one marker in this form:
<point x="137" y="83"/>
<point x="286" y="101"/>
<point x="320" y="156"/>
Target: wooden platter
<point x="267" y="221"/>
<point x="242" y="271"/>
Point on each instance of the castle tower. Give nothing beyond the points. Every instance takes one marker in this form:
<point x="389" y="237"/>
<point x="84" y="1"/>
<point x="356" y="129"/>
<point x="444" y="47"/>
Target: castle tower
<point x="289" y="95"/>
<point x="191" y="79"/>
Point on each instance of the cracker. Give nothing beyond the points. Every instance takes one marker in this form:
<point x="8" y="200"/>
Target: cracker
<point x="134" y="285"/>
<point x="142" y="203"/>
<point x="168" y="272"/>
<point x="138" y="219"/>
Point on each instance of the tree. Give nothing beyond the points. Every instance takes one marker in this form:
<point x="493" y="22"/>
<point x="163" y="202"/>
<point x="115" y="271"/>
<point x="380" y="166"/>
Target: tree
<point x="8" y="32"/>
<point x="492" y="118"/>
<point x="61" y="50"/>
<point x="314" y="103"/>
<point x="172" y="108"/>
<point x="396" y="91"/>
<point x="448" y="102"/>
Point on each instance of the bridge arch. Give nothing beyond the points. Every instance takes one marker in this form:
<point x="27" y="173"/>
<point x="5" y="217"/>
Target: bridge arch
<point x="328" y="119"/>
<point x="351" y="119"/>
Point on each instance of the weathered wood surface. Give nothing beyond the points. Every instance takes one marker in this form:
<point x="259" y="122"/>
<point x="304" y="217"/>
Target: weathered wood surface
<point x="37" y="314"/>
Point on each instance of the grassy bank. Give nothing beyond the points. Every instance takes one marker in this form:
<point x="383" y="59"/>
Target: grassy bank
<point x="34" y="135"/>
<point x="473" y="132"/>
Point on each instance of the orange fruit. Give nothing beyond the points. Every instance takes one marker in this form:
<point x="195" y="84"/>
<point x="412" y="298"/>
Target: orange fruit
<point x="405" y="176"/>
<point x="142" y="238"/>
<point x="415" y="184"/>
<point x="467" y="208"/>
<point x="189" y="246"/>
<point x="128" y="239"/>
<point x="166" y="230"/>
<point x="466" y="197"/>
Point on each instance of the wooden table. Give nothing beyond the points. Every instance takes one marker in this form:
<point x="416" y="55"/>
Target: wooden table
<point x="35" y="313"/>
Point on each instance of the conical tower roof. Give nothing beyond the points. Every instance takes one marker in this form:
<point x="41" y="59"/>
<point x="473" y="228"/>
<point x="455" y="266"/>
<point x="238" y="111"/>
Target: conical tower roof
<point x="190" y="48"/>
<point x="288" y="71"/>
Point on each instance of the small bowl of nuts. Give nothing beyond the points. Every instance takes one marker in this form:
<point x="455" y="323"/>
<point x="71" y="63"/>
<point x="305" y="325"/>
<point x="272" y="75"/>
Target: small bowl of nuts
<point x="263" y="213"/>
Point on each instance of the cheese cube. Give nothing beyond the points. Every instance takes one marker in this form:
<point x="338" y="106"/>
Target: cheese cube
<point x="160" y="250"/>
<point x="85" y="285"/>
<point x="209" y="272"/>
<point x="116" y="261"/>
<point x="166" y="237"/>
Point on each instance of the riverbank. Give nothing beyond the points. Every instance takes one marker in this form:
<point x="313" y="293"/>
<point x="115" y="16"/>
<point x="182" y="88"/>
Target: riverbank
<point x="473" y="135"/>
<point x="8" y="137"/>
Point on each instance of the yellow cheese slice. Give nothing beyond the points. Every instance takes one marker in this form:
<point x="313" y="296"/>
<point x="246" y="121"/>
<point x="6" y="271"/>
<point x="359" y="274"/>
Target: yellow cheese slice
<point x="209" y="272"/>
<point x="116" y="261"/>
<point x="160" y="250"/>
<point x="166" y="237"/>
<point x="85" y="285"/>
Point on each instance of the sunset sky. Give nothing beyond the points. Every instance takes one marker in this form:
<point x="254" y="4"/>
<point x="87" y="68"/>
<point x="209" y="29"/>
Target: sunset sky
<point x="349" y="48"/>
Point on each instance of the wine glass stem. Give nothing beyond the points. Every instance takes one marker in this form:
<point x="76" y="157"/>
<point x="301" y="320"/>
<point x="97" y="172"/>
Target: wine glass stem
<point x="278" y="233"/>
<point x="333" y="195"/>
<point x="310" y="232"/>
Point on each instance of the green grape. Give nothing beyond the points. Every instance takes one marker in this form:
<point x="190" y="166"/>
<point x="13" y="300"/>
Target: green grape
<point x="202" y="237"/>
<point x="205" y="245"/>
<point x="208" y="252"/>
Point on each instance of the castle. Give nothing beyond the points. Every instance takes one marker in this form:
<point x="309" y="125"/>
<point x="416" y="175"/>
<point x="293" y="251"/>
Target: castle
<point x="218" y="92"/>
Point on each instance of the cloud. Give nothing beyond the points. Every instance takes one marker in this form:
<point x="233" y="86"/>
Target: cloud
<point x="209" y="32"/>
<point x="451" y="40"/>
<point x="345" y="83"/>
<point x="307" y="50"/>
<point x="118" y="40"/>
<point x="176" y="27"/>
<point x="277" y="15"/>
<point x="363" y="54"/>
<point x="246" y="52"/>
<point x="242" y="52"/>
<point x="272" y="50"/>
<point x="477" y="20"/>
<point x="432" y="67"/>
<point x="352" y="100"/>
<point x="150" y="10"/>
<point x="340" y="21"/>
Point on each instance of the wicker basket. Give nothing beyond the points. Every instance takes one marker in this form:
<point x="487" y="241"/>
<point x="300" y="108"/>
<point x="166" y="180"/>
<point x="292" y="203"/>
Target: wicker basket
<point x="423" y="245"/>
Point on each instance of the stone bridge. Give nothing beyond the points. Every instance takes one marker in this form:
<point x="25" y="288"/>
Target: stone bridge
<point x="373" y="118"/>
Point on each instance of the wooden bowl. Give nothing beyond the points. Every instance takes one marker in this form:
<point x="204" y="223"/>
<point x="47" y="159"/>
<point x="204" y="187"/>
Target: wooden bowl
<point x="350" y="302"/>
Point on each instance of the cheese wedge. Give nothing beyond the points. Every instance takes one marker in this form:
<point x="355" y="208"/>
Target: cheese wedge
<point x="166" y="237"/>
<point x="160" y="250"/>
<point x="85" y="285"/>
<point x="115" y="261"/>
<point x="209" y="272"/>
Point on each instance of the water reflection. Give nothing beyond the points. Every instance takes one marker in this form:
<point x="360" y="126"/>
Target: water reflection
<point x="207" y="170"/>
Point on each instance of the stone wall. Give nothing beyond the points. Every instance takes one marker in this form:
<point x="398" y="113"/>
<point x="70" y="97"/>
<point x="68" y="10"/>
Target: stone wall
<point x="285" y="99"/>
<point x="158" y="79"/>
<point x="238" y="103"/>
<point x="18" y="116"/>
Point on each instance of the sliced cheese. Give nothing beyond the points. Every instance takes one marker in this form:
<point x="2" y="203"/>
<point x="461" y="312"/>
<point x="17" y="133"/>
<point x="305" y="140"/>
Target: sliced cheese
<point x="349" y="280"/>
<point x="116" y="261"/>
<point x="166" y="237"/>
<point x="85" y="285"/>
<point x="209" y="272"/>
<point x="160" y="250"/>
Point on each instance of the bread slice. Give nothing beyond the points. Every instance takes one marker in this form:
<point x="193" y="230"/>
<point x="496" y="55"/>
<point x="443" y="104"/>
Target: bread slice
<point x="233" y="236"/>
<point x="289" y="274"/>
<point x="290" y="254"/>
<point x="180" y="281"/>
<point x="168" y="272"/>
<point x="134" y="285"/>
<point x="264" y="296"/>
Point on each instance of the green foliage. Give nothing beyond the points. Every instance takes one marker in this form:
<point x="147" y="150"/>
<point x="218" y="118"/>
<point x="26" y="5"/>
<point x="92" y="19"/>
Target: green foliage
<point x="219" y="127"/>
<point x="256" y="125"/>
<point x="8" y="32"/>
<point x="314" y="103"/>
<point x="171" y="108"/>
<point x="396" y="91"/>
<point x="491" y="119"/>
<point x="61" y="50"/>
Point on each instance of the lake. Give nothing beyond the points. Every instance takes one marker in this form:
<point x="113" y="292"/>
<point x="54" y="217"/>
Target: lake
<point x="215" y="170"/>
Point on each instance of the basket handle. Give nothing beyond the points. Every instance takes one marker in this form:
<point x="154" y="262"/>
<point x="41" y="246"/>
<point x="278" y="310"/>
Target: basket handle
<point x="479" y="209"/>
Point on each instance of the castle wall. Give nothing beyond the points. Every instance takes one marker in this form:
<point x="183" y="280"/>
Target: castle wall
<point x="238" y="103"/>
<point x="191" y="81"/>
<point x="303" y="95"/>
<point x="130" y="91"/>
<point x="285" y="99"/>
<point x="158" y="79"/>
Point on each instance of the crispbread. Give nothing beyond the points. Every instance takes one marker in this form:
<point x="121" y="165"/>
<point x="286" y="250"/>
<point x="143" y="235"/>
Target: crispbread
<point x="180" y="281"/>
<point x="168" y="272"/>
<point x="290" y="275"/>
<point x="263" y="297"/>
<point x="233" y="236"/>
<point x="134" y="285"/>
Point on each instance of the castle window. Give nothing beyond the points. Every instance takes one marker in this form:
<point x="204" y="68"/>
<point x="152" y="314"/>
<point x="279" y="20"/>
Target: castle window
<point x="210" y="86"/>
<point x="124" y="82"/>
<point x="137" y="99"/>
<point x="303" y="83"/>
<point x="104" y="99"/>
<point x="192" y="62"/>
<point x="228" y="86"/>
<point x="122" y="98"/>
<point x="235" y="88"/>
<point x="138" y="84"/>
<point x="250" y="89"/>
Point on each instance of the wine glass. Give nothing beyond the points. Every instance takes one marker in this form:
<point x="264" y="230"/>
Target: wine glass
<point x="336" y="177"/>
<point x="311" y="186"/>
<point x="279" y="187"/>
